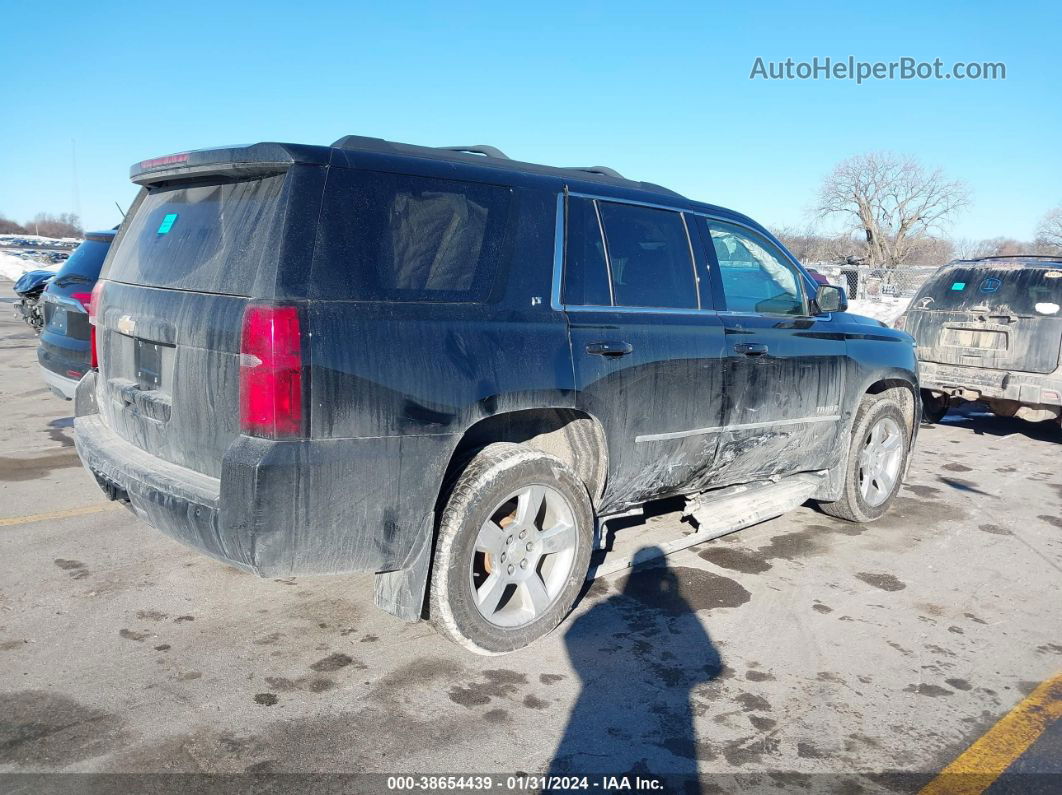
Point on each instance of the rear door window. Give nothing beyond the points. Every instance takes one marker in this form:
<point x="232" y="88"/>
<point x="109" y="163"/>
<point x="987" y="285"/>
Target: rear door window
<point x="85" y="263"/>
<point x="585" y="269"/>
<point x="207" y="237"/>
<point x="649" y="257"/>
<point x="756" y="276"/>
<point x="1014" y="290"/>
<point x="401" y="237"/>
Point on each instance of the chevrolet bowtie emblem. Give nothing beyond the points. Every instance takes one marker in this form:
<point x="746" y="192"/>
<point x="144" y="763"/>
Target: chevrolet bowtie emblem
<point x="126" y="324"/>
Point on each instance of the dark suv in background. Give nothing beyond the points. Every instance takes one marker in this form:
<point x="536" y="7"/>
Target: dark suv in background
<point x="65" y="349"/>
<point x="441" y="365"/>
<point x="990" y="330"/>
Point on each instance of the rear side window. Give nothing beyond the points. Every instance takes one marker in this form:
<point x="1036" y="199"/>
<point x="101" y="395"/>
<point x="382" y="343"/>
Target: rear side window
<point x="204" y="237"/>
<point x="398" y="237"/>
<point x="649" y="256"/>
<point x="585" y="269"/>
<point x="85" y="263"/>
<point x="756" y="276"/>
<point x="1013" y="290"/>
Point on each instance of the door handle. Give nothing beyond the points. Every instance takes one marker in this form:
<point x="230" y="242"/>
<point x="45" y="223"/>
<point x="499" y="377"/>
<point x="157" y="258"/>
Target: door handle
<point x="610" y="348"/>
<point x="751" y="348"/>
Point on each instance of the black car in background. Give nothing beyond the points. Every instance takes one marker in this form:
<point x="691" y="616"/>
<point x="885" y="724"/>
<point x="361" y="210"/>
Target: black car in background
<point x="990" y="330"/>
<point x="65" y="350"/>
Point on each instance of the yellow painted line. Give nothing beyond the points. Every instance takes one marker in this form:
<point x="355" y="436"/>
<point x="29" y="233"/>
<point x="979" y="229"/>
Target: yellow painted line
<point x="974" y="770"/>
<point x="42" y="517"/>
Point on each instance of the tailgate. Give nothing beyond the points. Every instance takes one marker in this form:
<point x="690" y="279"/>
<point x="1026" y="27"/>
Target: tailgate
<point x="1000" y="318"/>
<point x="169" y="319"/>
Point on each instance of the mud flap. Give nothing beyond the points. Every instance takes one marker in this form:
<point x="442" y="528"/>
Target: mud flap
<point x="401" y="592"/>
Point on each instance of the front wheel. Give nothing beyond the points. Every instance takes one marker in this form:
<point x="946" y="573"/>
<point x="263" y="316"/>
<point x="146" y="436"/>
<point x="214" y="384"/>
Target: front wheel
<point x="876" y="462"/>
<point x="512" y="550"/>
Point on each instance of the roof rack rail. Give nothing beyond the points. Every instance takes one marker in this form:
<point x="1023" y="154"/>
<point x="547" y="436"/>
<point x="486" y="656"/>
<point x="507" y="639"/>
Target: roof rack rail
<point x="604" y="171"/>
<point x="478" y="149"/>
<point x="1048" y="257"/>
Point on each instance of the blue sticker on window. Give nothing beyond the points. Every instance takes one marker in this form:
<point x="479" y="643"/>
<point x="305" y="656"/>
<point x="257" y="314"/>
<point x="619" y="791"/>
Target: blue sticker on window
<point x="167" y="223"/>
<point x="958" y="286"/>
<point x="990" y="285"/>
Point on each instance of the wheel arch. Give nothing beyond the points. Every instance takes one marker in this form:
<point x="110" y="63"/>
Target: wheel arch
<point x="575" y="437"/>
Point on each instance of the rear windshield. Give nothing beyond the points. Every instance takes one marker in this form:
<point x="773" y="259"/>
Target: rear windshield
<point x="85" y="263"/>
<point x="1017" y="291"/>
<point x="400" y="237"/>
<point x="204" y="237"/>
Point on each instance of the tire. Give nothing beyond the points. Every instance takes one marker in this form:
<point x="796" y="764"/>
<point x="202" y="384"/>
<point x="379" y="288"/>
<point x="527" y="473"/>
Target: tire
<point x="495" y="526"/>
<point x="934" y="407"/>
<point x="876" y="413"/>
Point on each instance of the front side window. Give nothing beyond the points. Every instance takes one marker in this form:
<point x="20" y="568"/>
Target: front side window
<point x="756" y="276"/>
<point x="649" y="256"/>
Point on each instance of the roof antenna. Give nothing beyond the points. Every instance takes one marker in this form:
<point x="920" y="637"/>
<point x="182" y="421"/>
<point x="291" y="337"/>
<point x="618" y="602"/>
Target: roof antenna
<point x="116" y="204"/>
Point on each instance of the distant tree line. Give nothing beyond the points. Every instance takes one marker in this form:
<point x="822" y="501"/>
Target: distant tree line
<point x="44" y="224"/>
<point x="894" y="212"/>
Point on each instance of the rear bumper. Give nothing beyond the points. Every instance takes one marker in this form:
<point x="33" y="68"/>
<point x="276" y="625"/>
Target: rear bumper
<point x="61" y="371"/>
<point x="61" y="386"/>
<point x="1030" y="389"/>
<point x="279" y="508"/>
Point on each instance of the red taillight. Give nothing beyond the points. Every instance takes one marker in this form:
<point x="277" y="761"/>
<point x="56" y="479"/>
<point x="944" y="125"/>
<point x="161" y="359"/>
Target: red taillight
<point x="271" y="372"/>
<point x="85" y="299"/>
<point x="91" y="306"/>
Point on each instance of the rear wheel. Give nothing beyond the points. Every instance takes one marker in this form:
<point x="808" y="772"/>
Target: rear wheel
<point x="512" y="551"/>
<point x="876" y="461"/>
<point x="934" y="406"/>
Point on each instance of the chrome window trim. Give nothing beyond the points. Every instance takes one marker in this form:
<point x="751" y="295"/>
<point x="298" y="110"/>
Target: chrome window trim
<point x="558" y="262"/>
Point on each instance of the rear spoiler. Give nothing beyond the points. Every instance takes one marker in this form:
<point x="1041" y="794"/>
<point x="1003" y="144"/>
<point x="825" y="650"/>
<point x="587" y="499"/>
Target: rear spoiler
<point x="232" y="161"/>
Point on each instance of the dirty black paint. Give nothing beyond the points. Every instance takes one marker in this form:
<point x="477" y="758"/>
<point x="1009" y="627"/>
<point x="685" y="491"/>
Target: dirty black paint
<point x="283" y="507"/>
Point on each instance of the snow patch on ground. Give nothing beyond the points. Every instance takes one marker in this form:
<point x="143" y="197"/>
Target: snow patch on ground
<point x="12" y="266"/>
<point x="886" y="309"/>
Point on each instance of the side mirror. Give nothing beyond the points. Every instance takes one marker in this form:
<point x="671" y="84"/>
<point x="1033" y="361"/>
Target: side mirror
<point x="830" y="299"/>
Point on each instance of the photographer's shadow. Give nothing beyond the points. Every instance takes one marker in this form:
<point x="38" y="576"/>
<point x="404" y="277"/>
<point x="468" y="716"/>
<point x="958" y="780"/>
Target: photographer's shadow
<point x="639" y="654"/>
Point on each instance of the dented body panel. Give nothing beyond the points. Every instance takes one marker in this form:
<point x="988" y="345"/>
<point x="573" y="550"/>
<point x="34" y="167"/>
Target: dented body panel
<point x="397" y="393"/>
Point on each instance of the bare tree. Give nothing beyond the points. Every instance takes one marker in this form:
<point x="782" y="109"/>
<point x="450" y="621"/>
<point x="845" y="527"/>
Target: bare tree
<point x="1049" y="232"/>
<point x="62" y="225"/>
<point x="890" y="201"/>
<point x="9" y="227"/>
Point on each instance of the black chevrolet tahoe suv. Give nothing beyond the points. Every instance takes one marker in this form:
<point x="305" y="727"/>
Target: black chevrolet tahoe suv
<point x="450" y="368"/>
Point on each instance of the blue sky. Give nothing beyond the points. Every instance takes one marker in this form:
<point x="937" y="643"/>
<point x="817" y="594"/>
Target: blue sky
<point x="659" y="91"/>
